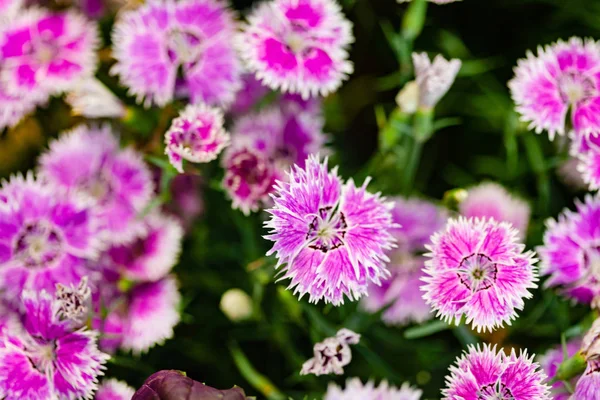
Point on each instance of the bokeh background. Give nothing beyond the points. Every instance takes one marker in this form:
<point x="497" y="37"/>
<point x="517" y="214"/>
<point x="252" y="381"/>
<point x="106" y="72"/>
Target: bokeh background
<point x="480" y="138"/>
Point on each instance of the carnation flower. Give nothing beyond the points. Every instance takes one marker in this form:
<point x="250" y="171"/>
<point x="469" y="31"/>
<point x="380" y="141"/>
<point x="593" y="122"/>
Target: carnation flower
<point x="112" y="389"/>
<point x="248" y="97"/>
<point x="332" y="354"/>
<point x="9" y="8"/>
<point x="14" y="107"/>
<point x="492" y="200"/>
<point x="47" y="359"/>
<point x="298" y="46"/>
<point x="197" y="135"/>
<point x="355" y="390"/>
<point x="152" y="42"/>
<point x="48" y="52"/>
<point x="483" y="373"/>
<point x="590" y="345"/>
<point x="433" y="78"/>
<point x="89" y="161"/>
<point x="74" y="302"/>
<point x="561" y="78"/>
<point x="48" y="236"/>
<point x="570" y="253"/>
<point x="550" y="363"/>
<point x="416" y="221"/>
<point x="330" y="238"/>
<point x="90" y="98"/>
<point x="478" y="269"/>
<point x="588" y="386"/>
<point x="401" y="292"/>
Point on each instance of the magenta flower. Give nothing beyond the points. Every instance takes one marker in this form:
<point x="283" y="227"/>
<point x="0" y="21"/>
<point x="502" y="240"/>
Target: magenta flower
<point x="152" y="42"/>
<point x="401" y="290"/>
<point x="47" y="359"/>
<point x="14" y="107"/>
<point x="42" y="51"/>
<point x="331" y="238"/>
<point x="248" y="97"/>
<point x="588" y="386"/>
<point x="570" y="254"/>
<point x="197" y="135"/>
<point x="298" y="46"/>
<point x="112" y="389"/>
<point x="491" y="200"/>
<point x="88" y="160"/>
<point x="355" y="389"/>
<point x="562" y="78"/>
<point x="187" y="203"/>
<point x="47" y="236"/>
<point x="550" y="363"/>
<point x="150" y="256"/>
<point x="478" y="269"/>
<point x="417" y="220"/>
<point x="484" y="373"/>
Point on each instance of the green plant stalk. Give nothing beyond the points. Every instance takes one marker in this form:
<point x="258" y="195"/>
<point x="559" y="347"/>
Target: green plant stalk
<point x="571" y="367"/>
<point x="422" y="131"/>
<point x="255" y="378"/>
<point x="414" y="19"/>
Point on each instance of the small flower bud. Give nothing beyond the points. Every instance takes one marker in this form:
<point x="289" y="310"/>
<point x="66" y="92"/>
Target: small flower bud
<point x="408" y="98"/>
<point x="236" y="305"/>
<point x="434" y="78"/>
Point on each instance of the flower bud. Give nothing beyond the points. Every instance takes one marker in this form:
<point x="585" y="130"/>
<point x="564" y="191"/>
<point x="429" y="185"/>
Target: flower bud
<point x="236" y="305"/>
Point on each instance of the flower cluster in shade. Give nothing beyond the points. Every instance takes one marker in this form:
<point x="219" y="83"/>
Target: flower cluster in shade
<point x="265" y="143"/>
<point x="550" y="363"/>
<point x="49" y="355"/>
<point x="153" y="42"/>
<point x="196" y="135"/>
<point x="42" y="54"/>
<point x="485" y="373"/>
<point x="491" y="200"/>
<point x="570" y="253"/>
<point x="332" y="354"/>
<point x="418" y="220"/>
<point x="330" y="238"/>
<point x="355" y="389"/>
<point x="297" y="46"/>
<point x="478" y="269"/>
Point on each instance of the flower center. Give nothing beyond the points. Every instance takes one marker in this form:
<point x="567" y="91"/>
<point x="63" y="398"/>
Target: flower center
<point x="575" y="87"/>
<point x="295" y="42"/>
<point x="183" y="47"/>
<point x="327" y="229"/>
<point x="38" y="244"/>
<point x="495" y="391"/>
<point x="477" y="272"/>
<point x="250" y="167"/>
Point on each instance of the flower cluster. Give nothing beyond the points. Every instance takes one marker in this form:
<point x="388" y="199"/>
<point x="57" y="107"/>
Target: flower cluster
<point x="355" y="389"/>
<point x="330" y="237"/>
<point x="332" y="354"/>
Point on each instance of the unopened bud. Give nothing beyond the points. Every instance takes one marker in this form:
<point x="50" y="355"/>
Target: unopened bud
<point x="236" y="305"/>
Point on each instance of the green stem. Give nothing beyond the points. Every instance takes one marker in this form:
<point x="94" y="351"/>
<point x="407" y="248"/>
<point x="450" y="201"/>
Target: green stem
<point x="571" y="367"/>
<point x="422" y="131"/>
<point x="255" y="378"/>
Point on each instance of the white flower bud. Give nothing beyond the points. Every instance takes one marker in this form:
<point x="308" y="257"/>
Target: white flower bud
<point x="236" y="305"/>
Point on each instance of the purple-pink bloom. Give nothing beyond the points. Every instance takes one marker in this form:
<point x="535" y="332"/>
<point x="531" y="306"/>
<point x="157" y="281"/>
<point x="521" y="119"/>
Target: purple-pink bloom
<point x="484" y="373"/>
<point x="401" y="292"/>
<point x="89" y="161"/>
<point x="112" y="389"/>
<point x="570" y="253"/>
<point x="196" y="135"/>
<point x="249" y="95"/>
<point x="331" y="237"/>
<point x="550" y="363"/>
<point x="332" y="354"/>
<point x="47" y="52"/>
<point x="298" y="46"/>
<point x="14" y="107"/>
<point x="588" y="386"/>
<point x="356" y="390"/>
<point x="154" y="41"/>
<point x="47" y="236"/>
<point x="491" y="200"/>
<point x="478" y="269"/>
<point x="561" y="80"/>
<point x="47" y="359"/>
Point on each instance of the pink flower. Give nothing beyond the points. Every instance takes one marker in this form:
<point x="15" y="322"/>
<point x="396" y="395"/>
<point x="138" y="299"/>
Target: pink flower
<point x="484" y="373"/>
<point x="491" y="200"/>
<point x="248" y="97"/>
<point x="112" y="389"/>
<point x="588" y="386"/>
<point x="47" y="236"/>
<point x="196" y="135"/>
<point x="332" y="354"/>
<point x="401" y="292"/>
<point x="570" y="254"/>
<point x="47" y="52"/>
<point x="47" y="359"/>
<point x="89" y="161"/>
<point x="478" y="269"/>
<point x="298" y="46"/>
<point x="355" y="390"/>
<point x="563" y="76"/>
<point x="550" y="363"/>
<point x="154" y="41"/>
<point x="13" y="107"/>
<point x="331" y="238"/>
